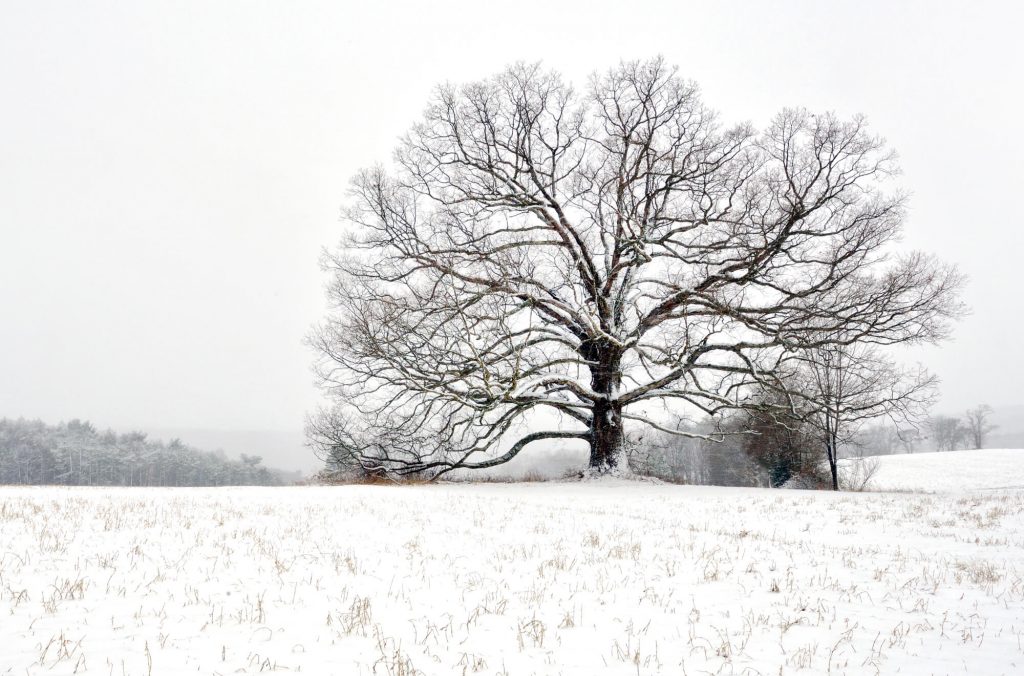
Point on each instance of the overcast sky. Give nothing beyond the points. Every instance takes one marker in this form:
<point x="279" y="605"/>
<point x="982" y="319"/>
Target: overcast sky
<point x="169" y="171"/>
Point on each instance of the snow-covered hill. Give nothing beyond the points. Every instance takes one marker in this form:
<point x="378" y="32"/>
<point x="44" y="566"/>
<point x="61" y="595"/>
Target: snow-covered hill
<point x="989" y="469"/>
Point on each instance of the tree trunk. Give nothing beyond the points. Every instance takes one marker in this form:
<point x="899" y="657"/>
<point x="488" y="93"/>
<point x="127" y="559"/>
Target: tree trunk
<point x="833" y="465"/>
<point x="606" y="433"/>
<point x="832" y="446"/>
<point x="831" y="450"/>
<point x="606" y="437"/>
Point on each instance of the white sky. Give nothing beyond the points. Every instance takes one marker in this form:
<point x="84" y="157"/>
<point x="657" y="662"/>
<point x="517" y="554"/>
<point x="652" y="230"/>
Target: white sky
<point x="169" y="171"/>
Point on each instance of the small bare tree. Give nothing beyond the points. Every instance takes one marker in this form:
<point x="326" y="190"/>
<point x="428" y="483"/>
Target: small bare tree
<point x="843" y="386"/>
<point x="947" y="432"/>
<point x="910" y="438"/>
<point x="859" y="474"/>
<point x="547" y="263"/>
<point x="978" y="425"/>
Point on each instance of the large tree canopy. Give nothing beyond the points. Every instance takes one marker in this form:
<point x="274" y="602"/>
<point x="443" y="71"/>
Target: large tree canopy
<point x="598" y="254"/>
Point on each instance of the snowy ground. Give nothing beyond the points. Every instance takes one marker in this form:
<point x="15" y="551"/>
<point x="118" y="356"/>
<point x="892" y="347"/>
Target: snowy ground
<point x="599" y="578"/>
<point x="989" y="469"/>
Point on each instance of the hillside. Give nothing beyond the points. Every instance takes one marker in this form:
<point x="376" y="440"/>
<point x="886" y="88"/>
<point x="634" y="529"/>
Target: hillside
<point x="78" y="454"/>
<point x="952" y="471"/>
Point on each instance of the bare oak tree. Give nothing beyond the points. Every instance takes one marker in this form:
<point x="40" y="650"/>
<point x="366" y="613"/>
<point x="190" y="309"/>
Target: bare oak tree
<point x="600" y="255"/>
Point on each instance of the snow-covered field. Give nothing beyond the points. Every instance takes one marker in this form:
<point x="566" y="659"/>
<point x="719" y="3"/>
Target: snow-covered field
<point x="584" y="578"/>
<point x="989" y="469"/>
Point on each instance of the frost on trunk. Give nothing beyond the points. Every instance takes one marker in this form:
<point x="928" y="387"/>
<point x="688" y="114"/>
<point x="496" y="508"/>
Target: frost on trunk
<point x="607" y="436"/>
<point x="606" y="443"/>
<point x="548" y="264"/>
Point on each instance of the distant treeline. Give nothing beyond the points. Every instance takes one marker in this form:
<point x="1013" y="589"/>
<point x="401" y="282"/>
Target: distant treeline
<point x="77" y="454"/>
